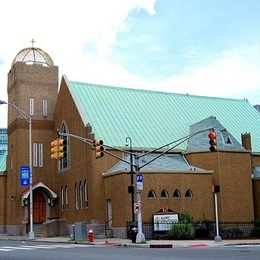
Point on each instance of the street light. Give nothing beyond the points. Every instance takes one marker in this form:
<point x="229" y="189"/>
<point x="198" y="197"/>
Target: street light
<point x="132" y="176"/>
<point x="28" y="118"/>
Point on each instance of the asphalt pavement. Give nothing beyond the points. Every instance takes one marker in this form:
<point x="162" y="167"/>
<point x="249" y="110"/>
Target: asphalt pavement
<point x="147" y="243"/>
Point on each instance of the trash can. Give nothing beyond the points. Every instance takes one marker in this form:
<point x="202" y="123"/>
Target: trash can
<point x="134" y="232"/>
<point x="131" y="226"/>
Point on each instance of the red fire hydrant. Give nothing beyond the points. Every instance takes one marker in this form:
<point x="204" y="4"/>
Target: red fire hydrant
<point x="90" y="236"/>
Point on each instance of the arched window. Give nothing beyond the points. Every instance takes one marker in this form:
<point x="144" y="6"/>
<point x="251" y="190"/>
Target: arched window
<point x="164" y="194"/>
<point x="81" y="194"/>
<point x="188" y="193"/>
<point x="76" y="196"/>
<point x="66" y="198"/>
<point x="64" y="162"/>
<point x="176" y="194"/>
<point x="86" y="193"/>
<point x="62" y="199"/>
<point x="151" y="194"/>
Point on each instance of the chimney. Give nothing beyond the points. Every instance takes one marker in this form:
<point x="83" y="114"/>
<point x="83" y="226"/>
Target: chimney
<point x="246" y="141"/>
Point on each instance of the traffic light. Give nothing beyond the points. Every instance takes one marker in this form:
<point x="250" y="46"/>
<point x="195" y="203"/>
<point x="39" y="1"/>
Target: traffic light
<point x="131" y="189"/>
<point x="62" y="147"/>
<point x="212" y="141"/>
<point x="59" y="147"/>
<point x="99" y="148"/>
<point x="55" y="149"/>
<point x="215" y="188"/>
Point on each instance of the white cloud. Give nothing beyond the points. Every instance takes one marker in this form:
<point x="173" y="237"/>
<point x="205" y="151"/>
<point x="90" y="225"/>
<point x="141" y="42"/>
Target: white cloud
<point x="79" y="35"/>
<point x="227" y="77"/>
<point x="62" y="29"/>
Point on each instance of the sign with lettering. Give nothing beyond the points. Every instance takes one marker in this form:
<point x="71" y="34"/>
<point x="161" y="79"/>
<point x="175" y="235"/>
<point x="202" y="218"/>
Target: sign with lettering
<point x="163" y="222"/>
<point x="24" y="175"/>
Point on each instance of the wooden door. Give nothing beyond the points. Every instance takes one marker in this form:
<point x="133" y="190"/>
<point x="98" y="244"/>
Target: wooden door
<point x="39" y="208"/>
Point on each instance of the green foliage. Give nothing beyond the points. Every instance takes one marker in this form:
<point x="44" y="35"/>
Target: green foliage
<point x="185" y="217"/>
<point x="182" y="231"/>
<point x="231" y="232"/>
<point x="256" y="230"/>
<point x="208" y="224"/>
<point x="257" y="222"/>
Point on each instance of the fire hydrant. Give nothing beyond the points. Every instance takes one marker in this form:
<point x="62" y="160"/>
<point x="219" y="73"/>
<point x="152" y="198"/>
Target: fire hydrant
<point x="90" y="236"/>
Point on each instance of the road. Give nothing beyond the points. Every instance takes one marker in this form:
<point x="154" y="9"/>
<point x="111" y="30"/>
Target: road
<point x="18" y="250"/>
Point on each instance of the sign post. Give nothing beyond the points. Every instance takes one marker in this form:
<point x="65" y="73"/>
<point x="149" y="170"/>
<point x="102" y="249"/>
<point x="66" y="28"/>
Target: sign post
<point x="140" y="238"/>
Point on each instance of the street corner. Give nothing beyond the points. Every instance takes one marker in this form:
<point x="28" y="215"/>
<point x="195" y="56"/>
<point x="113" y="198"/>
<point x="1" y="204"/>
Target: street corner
<point x="197" y="245"/>
<point x="111" y="243"/>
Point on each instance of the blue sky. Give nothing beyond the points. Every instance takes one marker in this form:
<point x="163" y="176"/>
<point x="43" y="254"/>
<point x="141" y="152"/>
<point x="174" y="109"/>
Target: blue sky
<point x="185" y="34"/>
<point x="200" y="47"/>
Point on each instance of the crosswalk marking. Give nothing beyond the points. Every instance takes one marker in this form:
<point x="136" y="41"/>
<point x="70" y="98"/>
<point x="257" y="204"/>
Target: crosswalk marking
<point x="43" y="246"/>
<point x="10" y="248"/>
<point x="247" y="245"/>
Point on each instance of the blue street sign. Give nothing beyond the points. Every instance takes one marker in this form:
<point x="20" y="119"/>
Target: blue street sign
<point x="139" y="181"/>
<point x="24" y="175"/>
<point x="139" y="177"/>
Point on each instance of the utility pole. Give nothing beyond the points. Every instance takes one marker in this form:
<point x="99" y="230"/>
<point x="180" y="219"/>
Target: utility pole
<point x="132" y="177"/>
<point x="140" y="238"/>
<point x="216" y="190"/>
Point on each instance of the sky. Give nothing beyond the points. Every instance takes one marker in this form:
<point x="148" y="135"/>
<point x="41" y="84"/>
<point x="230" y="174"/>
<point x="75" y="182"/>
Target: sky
<point x="199" y="47"/>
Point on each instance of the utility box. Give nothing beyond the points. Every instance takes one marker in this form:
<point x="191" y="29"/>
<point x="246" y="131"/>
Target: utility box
<point x="72" y="232"/>
<point x="80" y="231"/>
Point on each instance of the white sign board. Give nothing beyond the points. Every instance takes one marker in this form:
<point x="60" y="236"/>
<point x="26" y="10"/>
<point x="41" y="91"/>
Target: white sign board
<point x="163" y="222"/>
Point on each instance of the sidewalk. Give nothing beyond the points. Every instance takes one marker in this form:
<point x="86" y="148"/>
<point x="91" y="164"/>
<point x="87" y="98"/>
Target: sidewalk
<point x="147" y="244"/>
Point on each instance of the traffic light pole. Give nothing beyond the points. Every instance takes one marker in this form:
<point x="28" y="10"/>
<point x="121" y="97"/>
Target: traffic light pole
<point x="217" y="237"/>
<point x="140" y="238"/>
<point x="132" y="177"/>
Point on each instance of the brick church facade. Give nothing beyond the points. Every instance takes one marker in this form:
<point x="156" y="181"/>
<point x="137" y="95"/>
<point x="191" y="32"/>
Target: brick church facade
<point x="81" y="188"/>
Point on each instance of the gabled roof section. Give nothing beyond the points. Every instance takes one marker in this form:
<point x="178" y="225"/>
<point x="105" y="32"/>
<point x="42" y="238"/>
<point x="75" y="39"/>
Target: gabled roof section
<point x="39" y="184"/>
<point x="164" y="163"/>
<point x="153" y="119"/>
<point x="201" y="141"/>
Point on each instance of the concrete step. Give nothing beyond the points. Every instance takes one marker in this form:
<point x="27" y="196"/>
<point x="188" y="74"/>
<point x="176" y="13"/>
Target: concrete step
<point x="38" y="230"/>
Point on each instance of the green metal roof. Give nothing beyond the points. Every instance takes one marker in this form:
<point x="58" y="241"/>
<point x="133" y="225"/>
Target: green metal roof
<point x="3" y="162"/>
<point x="153" y="118"/>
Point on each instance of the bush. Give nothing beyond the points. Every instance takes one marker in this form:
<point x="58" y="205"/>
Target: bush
<point x="181" y="231"/>
<point x="186" y="218"/>
<point x="255" y="232"/>
<point x="257" y="222"/>
<point x="209" y="224"/>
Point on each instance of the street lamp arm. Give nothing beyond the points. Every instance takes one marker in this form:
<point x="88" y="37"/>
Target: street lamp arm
<point x="21" y="112"/>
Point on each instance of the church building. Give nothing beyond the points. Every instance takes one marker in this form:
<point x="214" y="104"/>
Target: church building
<point x="129" y="154"/>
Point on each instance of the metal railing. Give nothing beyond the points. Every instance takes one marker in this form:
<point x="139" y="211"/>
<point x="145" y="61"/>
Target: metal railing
<point x="203" y="229"/>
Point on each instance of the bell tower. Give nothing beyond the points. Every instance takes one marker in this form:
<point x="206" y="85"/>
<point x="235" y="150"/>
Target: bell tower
<point x="33" y="88"/>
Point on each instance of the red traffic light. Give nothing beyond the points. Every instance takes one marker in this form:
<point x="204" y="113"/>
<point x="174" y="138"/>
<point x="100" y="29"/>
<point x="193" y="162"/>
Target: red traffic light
<point x="212" y="141"/>
<point x="212" y="135"/>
